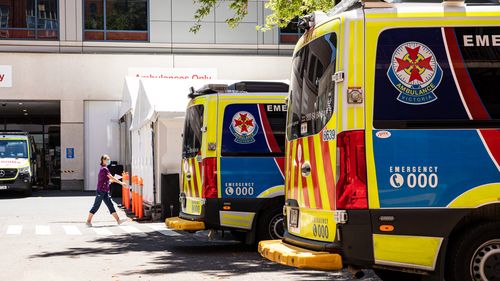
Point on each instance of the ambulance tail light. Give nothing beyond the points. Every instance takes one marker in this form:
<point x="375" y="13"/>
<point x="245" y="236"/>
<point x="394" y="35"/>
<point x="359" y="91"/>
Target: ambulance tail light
<point x="209" y="187"/>
<point x="351" y="191"/>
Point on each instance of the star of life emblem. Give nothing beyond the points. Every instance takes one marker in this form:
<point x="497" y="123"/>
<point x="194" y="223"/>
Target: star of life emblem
<point x="244" y="127"/>
<point x="415" y="73"/>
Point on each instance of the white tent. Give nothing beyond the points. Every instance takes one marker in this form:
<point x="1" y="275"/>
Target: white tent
<point x="158" y="123"/>
<point x="129" y="99"/>
<point x="130" y="92"/>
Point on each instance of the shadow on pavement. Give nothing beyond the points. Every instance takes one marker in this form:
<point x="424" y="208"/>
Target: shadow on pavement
<point x="8" y="194"/>
<point x="185" y="254"/>
<point x="61" y="193"/>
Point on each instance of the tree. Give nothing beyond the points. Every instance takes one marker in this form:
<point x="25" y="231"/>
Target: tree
<point x="282" y="11"/>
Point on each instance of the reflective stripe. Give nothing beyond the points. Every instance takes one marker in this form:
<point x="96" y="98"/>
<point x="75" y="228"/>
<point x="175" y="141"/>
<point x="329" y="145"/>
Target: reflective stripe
<point x="272" y="192"/>
<point x="197" y="179"/>
<point x="293" y="167"/>
<point x="308" y="180"/>
<point x="321" y="173"/>
<point x="236" y="219"/>
<point x="479" y="196"/>
<point x="314" y="171"/>
<point x="406" y="251"/>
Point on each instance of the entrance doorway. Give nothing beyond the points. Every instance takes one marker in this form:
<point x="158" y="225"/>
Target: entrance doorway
<point x="42" y="120"/>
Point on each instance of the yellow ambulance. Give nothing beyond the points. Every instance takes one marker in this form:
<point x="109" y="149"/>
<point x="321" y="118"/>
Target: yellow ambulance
<point x="393" y="142"/>
<point x="17" y="162"/>
<point x="233" y="160"/>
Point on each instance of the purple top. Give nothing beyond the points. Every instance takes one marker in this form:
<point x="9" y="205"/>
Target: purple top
<point x="103" y="180"/>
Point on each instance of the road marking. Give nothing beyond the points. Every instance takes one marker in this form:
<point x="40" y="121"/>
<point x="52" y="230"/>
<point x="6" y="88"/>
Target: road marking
<point x="42" y="230"/>
<point x="132" y="230"/>
<point x="102" y="231"/>
<point x="71" y="230"/>
<point x="163" y="230"/>
<point x="14" y="229"/>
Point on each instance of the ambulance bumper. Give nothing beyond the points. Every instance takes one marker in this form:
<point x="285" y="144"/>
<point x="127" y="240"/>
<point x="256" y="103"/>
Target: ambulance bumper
<point x="286" y="254"/>
<point x="177" y="223"/>
<point x="21" y="183"/>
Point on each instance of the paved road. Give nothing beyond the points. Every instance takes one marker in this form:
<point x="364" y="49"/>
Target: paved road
<point x="43" y="238"/>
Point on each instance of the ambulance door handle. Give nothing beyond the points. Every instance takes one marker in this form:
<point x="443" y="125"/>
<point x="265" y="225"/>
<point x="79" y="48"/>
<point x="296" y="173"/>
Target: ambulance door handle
<point x="189" y="176"/>
<point x="306" y="169"/>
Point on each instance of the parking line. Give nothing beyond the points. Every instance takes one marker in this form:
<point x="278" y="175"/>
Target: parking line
<point x="71" y="230"/>
<point x="14" y="229"/>
<point x="132" y="230"/>
<point x="163" y="230"/>
<point x="104" y="231"/>
<point x="42" y="230"/>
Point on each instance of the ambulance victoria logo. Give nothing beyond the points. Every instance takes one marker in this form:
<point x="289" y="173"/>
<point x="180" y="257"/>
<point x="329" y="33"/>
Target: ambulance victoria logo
<point x="415" y="73"/>
<point x="244" y="127"/>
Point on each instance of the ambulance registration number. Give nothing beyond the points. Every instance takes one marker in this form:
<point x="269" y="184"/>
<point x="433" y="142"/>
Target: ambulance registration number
<point x="294" y="218"/>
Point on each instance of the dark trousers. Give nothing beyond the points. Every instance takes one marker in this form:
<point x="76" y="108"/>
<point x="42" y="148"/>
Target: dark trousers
<point x="102" y="196"/>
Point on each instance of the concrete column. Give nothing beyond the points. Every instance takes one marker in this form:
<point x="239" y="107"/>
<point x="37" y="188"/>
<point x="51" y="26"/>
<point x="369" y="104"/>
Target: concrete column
<point x="72" y="137"/>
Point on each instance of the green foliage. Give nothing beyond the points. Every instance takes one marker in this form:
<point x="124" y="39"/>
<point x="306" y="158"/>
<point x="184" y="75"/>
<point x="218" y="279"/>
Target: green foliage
<point x="282" y="11"/>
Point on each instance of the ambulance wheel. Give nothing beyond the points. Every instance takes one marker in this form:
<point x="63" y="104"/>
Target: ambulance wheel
<point x="270" y="225"/>
<point x="475" y="254"/>
<point x="390" y="275"/>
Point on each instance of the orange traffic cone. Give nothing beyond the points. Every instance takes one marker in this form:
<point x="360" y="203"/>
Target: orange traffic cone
<point x="134" y="182"/>
<point x="127" y="191"/>
<point x="141" y="206"/>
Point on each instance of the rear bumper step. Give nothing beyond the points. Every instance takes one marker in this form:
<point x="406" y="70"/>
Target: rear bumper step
<point x="286" y="254"/>
<point x="177" y="223"/>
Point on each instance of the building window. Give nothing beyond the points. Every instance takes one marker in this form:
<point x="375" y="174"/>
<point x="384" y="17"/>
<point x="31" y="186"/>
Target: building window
<point x="116" y="20"/>
<point x="29" y="19"/>
<point x="291" y="33"/>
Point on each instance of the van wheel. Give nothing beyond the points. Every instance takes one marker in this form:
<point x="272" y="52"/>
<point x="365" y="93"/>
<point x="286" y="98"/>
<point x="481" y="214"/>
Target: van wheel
<point x="475" y="254"/>
<point x="390" y="275"/>
<point x="270" y="225"/>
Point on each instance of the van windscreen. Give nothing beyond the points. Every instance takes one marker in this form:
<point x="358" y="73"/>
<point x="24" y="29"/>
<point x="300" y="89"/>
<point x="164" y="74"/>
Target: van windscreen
<point x="13" y="149"/>
<point x="192" y="131"/>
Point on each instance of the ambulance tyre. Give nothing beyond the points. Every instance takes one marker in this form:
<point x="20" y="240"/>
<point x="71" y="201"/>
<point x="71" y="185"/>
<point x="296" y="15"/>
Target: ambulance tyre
<point x="475" y="254"/>
<point x="390" y="275"/>
<point x="270" y="224"/>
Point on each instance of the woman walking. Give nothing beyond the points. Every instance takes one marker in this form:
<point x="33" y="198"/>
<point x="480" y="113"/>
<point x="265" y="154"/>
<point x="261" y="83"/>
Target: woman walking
<point x="102" y="193"/>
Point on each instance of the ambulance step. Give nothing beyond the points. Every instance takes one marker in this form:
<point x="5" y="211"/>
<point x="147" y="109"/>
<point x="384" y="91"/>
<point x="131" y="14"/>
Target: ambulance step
<point x="279" y="252"/>
<point x="177" y="223"/>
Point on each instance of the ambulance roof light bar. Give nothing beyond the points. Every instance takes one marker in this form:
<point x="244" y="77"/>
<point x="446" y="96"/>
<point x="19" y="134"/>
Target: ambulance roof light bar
<point x="241" y="87"/>
<point x="11" y="133"/>
<point x="207" y="89"/>
<point x="345" y="5"/>
<point x="259" y="87"/>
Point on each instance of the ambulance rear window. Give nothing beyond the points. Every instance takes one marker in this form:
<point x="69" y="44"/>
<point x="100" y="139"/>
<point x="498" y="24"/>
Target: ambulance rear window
<point x="312" y="89"/>
<point x="438" y="78"/>
<point x="192" y="131"/>
<point x="254" y="130"/>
